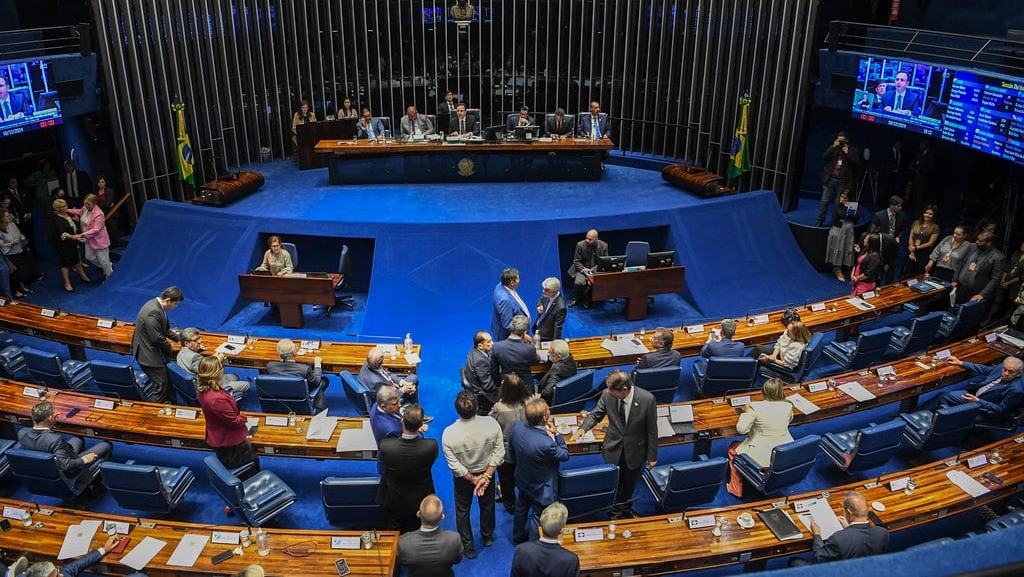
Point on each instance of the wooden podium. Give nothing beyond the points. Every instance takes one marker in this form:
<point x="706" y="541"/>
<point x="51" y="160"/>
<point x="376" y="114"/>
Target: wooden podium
<point x="636" y="285"/>
<point x="289" y="293"/>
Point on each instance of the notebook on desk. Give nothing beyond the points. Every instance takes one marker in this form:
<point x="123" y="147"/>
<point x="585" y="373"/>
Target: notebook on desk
<point x="780" y="523"/>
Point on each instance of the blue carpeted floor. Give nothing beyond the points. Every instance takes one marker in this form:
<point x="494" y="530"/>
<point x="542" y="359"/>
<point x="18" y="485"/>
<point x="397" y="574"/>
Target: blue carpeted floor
<point x="430" y="257"/>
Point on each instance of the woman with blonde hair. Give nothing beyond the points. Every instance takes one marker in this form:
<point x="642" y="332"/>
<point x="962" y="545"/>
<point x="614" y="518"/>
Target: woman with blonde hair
<point x="66" y="239"/>
<point x="226" y="430"/>
<point x="766" y="424"/>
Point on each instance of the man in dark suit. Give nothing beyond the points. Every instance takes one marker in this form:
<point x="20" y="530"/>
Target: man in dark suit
<point x="12" y="105"/>
<point x="406" y="478"/>
<point x="536" y="448"/>
<point x="368" y="127"/>
<point x="514" y="355"/>
<point x="664" y="355"/>
<point x="71" y="459"/>
<point x="430" y="551"/>
<point x="505" y="304"/>
<point x="1000" y="392"/>
<point x="584" y="260"/>
<point x="631" y="438"/>
<point x="447" y="106"/>
<point x="546" y="557"/>
<point x="979" y="274"/>
<point x="523" y="119"/>
<point x="463" y="123"/>
<point x="550" y="311"/>
<point x="891" y="223"/>
<point x="721" y="344"/>
<point x="77" y="184"/>
<point x="563" y="366"/>
<point x="21" y="204"/>
<point x="900" y="100"/>
<point x="558" y="125"/>
<point x="841" y="163"/>
<point x="595" y="124"/>
<point x="476" y="373"/>
<point x="374" y="375"/>
<point x="150" y="346"/>
<point x="316" y="383"/>
<point x="857" y="538"/>
<point x="74" y="568"/>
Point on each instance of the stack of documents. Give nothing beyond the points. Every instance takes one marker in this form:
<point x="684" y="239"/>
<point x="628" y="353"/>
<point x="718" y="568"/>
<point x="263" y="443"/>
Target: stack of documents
<point x="357" y="439"/>
<point x="625" y="347"/>
<point x="321" y="427"/>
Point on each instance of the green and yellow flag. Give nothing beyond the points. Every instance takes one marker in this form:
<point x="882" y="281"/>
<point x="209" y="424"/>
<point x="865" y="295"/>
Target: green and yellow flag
<point x="185" y="167"/>
<point x="739" y="159"/>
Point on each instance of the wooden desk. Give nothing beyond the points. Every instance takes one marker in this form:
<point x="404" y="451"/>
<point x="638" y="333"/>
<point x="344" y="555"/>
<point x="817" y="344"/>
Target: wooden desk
<point x="364" y="162"/>
<point x="636" y="286"/>
<point x="289" y="293"/>
<point x="44" y="544"/>
<point x="307" y="135"/>
<point x="142" y="423"/>
<point x="663" y="544"/>
<point x="80" y="332"/>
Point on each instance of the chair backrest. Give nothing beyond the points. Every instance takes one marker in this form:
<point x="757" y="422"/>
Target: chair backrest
<point x="283" y="394"/>
<point x="875" y="445"/>
<point x="661" y="382"/>
<point x="871" y="346"/>
<point x="724" y="374"/>
<point x="136" y="486"/>
<point x="352" y="500"/>
<point x="116" y="379"/>
<point x="357" y="393"/>
<point x="810" y="355"/>
<point x="386" y="121"/>
<point x="791" y="462"/>
<point x="292" y="252"/>
<point x="950" y="425"/>
<point x="184" y="384"/>
<point x="344" y="265"/>
<point x="433" y="122"/>
<point x="572" y="393"/>
<point x="42" y="476"/>
<point x="922" y="332"/>
<point x="693" y="483"/>
<point x="227" y="485"/>
<point x="968" y="319"/>
<point x="475" y="113"/>
<point x="12" y="360"/>
<point x="636" y="252"/>
<point x="588" y="490"/>
<point x="45" y="367"/>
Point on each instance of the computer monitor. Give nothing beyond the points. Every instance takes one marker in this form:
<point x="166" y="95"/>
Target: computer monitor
<point x="661" y="259"/>
<point x="530" y="132"/>
<point x="611" y="263"/>
<point x="491" y="133"/>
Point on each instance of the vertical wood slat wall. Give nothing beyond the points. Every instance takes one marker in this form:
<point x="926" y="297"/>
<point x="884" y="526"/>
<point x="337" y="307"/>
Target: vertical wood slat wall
<point x="669" y="73"/>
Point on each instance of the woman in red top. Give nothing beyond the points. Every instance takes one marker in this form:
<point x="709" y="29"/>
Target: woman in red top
<point x="226" y="432"/>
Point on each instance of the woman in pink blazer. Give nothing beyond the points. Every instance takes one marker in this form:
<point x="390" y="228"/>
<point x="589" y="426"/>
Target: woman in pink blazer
<point x="92" y="222"/>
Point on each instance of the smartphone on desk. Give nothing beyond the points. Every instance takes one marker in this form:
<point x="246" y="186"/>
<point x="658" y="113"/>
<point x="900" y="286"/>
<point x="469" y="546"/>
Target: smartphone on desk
<point x="253" y="429"/>
<point x="342" y="566"/>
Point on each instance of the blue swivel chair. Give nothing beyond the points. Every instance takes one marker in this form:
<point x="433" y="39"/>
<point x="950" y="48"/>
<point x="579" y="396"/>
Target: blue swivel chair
<point x="962" y="321"/>
<point x="41" y="475"/>
<point x="146" y="487"/>
<point x="283" y="394"/>
<point x="929" y="430"/>
<point x="588" y="491"/>
<point x="5" y="466"/>
<point x="49" y="370"/>
<point x="256" y="500"/>
<point x="571" y="394"/>
<point x="717" y="376"/>
<point x="680" y="485"/>
<point x="1011" y="519"/>
<point x="861" y="449"/>
<point x="808" y="358"/>
<point x="789" y="464"/>
<point x="345" y="268"/>
<point x="917" y="337"/>
<point x="357" y="393"/>
<point x="352" y="501"/>
<point x="661" y="382"/>
<point x="11" y="361"/>
<point x="636" y="252"/>
<point x="292" y="252"/>
<point x="120" y="380"/>
<point x="184" y="384"/>
<point x="869" y="348"/>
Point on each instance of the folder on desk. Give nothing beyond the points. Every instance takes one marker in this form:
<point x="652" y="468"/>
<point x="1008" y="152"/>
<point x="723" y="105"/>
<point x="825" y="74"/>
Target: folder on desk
<point x="780" y="523"/>
<point x="351" y="440"/>
<point x="321" y="427"/>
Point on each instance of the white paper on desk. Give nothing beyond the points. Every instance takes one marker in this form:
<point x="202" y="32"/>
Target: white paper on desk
<point x="295" y="275"/>
<point x="967" y="483"/>
<point x="625" y="348"/>
<point x="665" y="428"/>
<point x="821" y="513"/>
<point x="543" y="354"/>
<point x="662" y="411"/>
<point x="357" y="439"/>
<point x="251" y="422"/>
<point x="412" y="358"/>
<point x="188" y="550"/>
<point x="77" y="539"/>
<point x="681" y="413"/>
<point x="806" y="407"/>
<point x="860" y="303"/>
<point x="588" y="437"/>
<point x="321" y="427"/>
<point x="388" y="349"/>
<point x="857" y="391"/>
<point x="567" y="420"/>
<point x="143" y="553"/>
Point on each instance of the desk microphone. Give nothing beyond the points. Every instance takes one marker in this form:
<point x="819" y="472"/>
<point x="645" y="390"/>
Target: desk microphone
<point x="359" y="336"/>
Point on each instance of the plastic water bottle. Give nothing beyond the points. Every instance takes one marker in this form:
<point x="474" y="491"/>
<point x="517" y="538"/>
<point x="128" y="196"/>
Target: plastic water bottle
<point x="408" y="343"/>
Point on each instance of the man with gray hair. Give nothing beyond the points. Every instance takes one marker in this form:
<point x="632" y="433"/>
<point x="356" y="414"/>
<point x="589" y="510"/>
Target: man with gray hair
<point x="191" y="353"/>
<point x="550" y="311"/>
<point x="316" y="383"/>
<point x="48" y="569"/>
<point x="563" y="366"/>
<point x="546" y="557"/>
<point x="720" y="343"/>
<point x="513" y="355"/>
<point x="374" y="375"/>
<point x="999" y="392"/>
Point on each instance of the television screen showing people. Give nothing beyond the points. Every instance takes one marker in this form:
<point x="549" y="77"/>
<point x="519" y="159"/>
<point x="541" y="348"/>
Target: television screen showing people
<point x="28" y="100"/>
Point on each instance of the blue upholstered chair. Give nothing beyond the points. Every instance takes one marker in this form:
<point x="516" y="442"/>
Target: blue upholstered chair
<point x="680" y="485"/>
<point x="808" y="357"/>
<point x="662" y="382"/>
<point x="716" y="376"/>
<point x="292" y="252"/>
<point x="929" y="430"/>
<point x="12" y="360"/>
<point x="789" y="464"/>
<point x="917" y="337"/>
<point x="636" y="252"/>
<point x="860" y="449"/>
<point x="352" y="501"/>
<point x="184" y="384"/>
<point x="41" y="475"/>
<point x="146" y="487"/>
<point x="962" y="321"/>
<point x="49" y="370"/>
<point x="571" y="394"/>
<point x="5" y="466"/>
<point x="868" y="348"/>
<point x="120" y="380"/>
<point x="588" y="490"/>
<point x="283" y="394"/>
<point x="1011" y="519"/>
<point x="256" y="500"/>
<point x="357" y="393"/>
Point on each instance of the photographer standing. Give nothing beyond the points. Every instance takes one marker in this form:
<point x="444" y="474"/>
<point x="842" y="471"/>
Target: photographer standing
<point x="841" y="163"/>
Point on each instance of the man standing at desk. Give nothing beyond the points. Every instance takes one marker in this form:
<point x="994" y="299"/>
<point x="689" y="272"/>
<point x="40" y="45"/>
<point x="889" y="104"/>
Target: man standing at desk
<point x="536" y="449"/>
<point x="550" y="311"/>
<point x="462" y="123"/>
<point x="584" y="260"/>
<point x="505" y="304"/>
<point x="368" y="127"/>
<point x="415" y="125"/>
<point x="150" y="346"/>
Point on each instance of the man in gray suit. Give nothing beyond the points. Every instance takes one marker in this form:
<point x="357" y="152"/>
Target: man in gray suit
<point x="149" y="342"/>
<point x="415" y="125"/>
<point x="631" y="438"/>
<point x="584" y="260"/>
<point x="430" y="551"/>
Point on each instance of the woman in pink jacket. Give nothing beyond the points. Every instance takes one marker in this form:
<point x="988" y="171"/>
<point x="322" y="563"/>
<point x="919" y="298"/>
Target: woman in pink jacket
<point x="92" y="222"/>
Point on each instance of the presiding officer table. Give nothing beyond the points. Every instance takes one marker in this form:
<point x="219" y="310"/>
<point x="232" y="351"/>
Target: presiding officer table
<point x="636" y="286"/>
<point x="364" y="162"/>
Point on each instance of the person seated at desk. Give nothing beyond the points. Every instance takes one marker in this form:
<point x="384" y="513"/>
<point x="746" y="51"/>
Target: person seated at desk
<point x="347" y="110"/>
<point x="302" y="116"/>
<point x="72" y="569"/>
<point x="71" y="459"/>
<point x="190" y="355"/>
<point x="857" y="538"/>
<point x="664" y="355"/>
<point x="563" y="366"/>
<point x="463" y="123"/>
<point x="374" y="375"/>
<point x="369" y="128"/>
<point x="558" y="125"/>
<point x="595" y="125"/>
<point x="900" y="100"/>
<point x="720" y="343"/>
<point x="12" y="106"/>
<point x="276" y="260"/>
<point x="524" y="119"/>
<point x="415" y="125"/>
<point x="315" y="381"/>
<point x="1000" y="392"/>
<point x="787" y="349"/>
<point x="766" y="424"/>
<point x="584" y="260"/>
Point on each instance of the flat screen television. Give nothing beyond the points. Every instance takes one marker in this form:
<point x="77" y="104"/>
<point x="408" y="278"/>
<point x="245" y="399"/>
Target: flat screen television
<point x="661" y="259"/>
<point x="491" y="133"/>
<point x="611" y="263"/>
<point x="531" y="132"/>
<point x="28" y="98"/>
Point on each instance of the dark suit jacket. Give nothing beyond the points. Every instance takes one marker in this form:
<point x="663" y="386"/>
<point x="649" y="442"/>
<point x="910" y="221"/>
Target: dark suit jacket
<point x="47" y="441"/>
<point x="543" y="559"/>
<point x="19" y="104"/>
<point x="568" y="124"/>
<point x="851" y="163"/>
<point x="476" y="375"/>
<point x="560" y="370"/>
<point x="722" y="348"/>
<point x="548" y="325"/>
<point x="1002" y="400"/>
<point x="294" y="368"/>
<point x="513" y="356"/>
<point x="880" y="222"/>
<point x="512" y="121"/>
<point x="406" y="478"/>
<point x="536" y="457"/>
<point x="638" y="438"/>
<point x="74" y="568"/>
<point x="659" y="358"/>
<point x="472" y="125"/>
<point x="911" y="101"/>
<point x="585" y="256"/>
<point x="602" y="124"/>
<point x="857" y="540"/>
<point x="149" y="341"/>
<point x="429" y="553"/>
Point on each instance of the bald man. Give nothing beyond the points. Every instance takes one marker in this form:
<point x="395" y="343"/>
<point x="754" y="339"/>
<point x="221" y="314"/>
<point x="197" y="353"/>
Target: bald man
<point x="858" y="538"/>
<point x="584" y="261"/>
<point x="430" y="550"/>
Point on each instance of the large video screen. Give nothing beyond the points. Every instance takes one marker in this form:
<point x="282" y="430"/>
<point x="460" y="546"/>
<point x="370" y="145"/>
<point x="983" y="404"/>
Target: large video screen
<point x="28" y="99"/>
<point x="982" y="112"/>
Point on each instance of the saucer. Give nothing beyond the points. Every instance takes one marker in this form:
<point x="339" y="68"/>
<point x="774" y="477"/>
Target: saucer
<point x="878" y="506"/>
<point x="746" y="523"/>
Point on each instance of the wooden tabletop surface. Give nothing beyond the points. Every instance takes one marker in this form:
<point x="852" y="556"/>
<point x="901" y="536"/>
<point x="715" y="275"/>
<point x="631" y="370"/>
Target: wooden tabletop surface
<point x="365" y="147"/>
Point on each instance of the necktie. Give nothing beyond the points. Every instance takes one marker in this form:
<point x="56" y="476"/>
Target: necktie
<point x="892" y="223"/>
<point x="7" y="108"/>
<point x="369" y="131"/>
<point x="622" y="412"/>
<point x="899" y="102"/>
<point x="558" y="126"/>
<point x="462" y="126"/>
<point x="988" y="387"/>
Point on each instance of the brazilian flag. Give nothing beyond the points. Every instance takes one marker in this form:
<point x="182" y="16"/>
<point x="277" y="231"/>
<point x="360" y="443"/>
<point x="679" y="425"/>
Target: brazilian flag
<point x="739" y="159"/>
<point x="185" y="162"/>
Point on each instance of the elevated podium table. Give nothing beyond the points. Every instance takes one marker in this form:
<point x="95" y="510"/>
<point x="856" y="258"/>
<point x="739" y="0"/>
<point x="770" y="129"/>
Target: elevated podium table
<point x="636" y="286"/>
<point x="289" y="293"/>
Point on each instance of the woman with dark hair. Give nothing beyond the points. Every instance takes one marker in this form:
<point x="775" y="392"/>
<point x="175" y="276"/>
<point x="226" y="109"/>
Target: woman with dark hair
<point x="226" y="430"/>
<point x="839" y="249"/>
<point x="766" y="424"/>
<point x="511" y="407"/>
<point x="947" y="256"/>
<point x="347" y="110"/>
<point x="277" y="261"/>
<point x="303" y="115"/>
<point x="924" y="235"/>
<point x="868" y="269"/>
